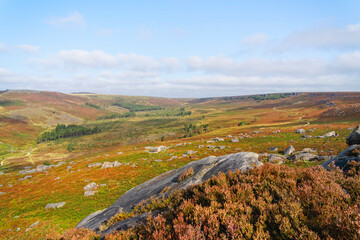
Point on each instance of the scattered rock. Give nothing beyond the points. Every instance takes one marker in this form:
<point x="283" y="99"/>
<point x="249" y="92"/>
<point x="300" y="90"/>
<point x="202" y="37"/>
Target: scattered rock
<point x="97" y="164"/>
<point x="157" y="149"/>
<point x="1" y="193"/>
<point x="55" y="205"/>
<point x="190" y="152"/>
<point x="200" y="146"/>
<point x="89" y="193"/>
<point x="32" y="225"/>
<point x="42" y="168"/>
<point x="276" y="159"/>
<point x="26" y="177"/>
<point x="172" y="158"/>
<point x="217" y="139"/>
<point x="354" y="137"/>
<point x="305" y="156"/>
<point x="329" y="134"/>
<point x="68" y="168"/>
<point x="107" y="165"/>
<point x="1" y="173"/>
<point x="91" y="186"/>
<point x="306" y="136"/>
<point x="116" y="164"/>
<point x="234" y="140"/>
<point x="221" y="147"/>
<point x="309" y="150"/>
<point x="119" y="153"/>
<point x="273" y="149"/>
<point x="111" y="164"/>
<point x="300" y="130"/>
<point x="289" y="150"/>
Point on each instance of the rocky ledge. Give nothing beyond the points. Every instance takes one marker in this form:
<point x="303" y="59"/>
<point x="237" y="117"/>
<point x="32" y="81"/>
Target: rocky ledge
<point x="352" y="153"/>
<point x="188" y="175"/>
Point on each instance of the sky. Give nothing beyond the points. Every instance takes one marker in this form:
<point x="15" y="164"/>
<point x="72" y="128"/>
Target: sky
<point x="180" y="48"/>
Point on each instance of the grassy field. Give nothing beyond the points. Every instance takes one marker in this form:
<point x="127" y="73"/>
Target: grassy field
<point x="124" y="140"/>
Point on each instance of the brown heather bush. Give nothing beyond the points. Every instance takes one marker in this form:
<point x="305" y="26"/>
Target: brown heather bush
<point x="77" y="234"/>
<point x="186" y="174"/>
<point x="270" y="202"/>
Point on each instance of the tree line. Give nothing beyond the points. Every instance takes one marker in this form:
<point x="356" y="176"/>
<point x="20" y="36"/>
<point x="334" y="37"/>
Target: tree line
<point x="137" y="108"/>
<point x="63" y="131"/>
<point x="117" y="115"/>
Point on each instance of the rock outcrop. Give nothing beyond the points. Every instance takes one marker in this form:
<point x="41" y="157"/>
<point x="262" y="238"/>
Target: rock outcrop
<point x="352" y="153"/>
<point x="166" y="183"/>
<point x="354" y="137"/>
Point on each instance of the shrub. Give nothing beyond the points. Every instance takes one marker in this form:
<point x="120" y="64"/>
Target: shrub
<point x="47" y="163"/>
<point x="186" y="174"/>
<point x="242" y="123"/>
<point x="269" y="202"/>
<point x="70" y="147"/>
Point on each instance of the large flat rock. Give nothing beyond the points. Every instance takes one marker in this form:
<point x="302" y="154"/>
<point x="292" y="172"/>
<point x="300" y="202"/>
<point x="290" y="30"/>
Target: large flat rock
<point x="203" y="169"/>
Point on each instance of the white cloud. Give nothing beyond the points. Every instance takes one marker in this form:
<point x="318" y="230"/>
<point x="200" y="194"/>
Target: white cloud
<point x="229" y="66"/>
<point x="28" y="48"/>
<point x="340" y="38"/>
<point x="73" y="20"/>
<point x="348" y="62"/>
<point x="75" y="58"/>
<point x="255" y="40"/>
<point x="136" y="74"/>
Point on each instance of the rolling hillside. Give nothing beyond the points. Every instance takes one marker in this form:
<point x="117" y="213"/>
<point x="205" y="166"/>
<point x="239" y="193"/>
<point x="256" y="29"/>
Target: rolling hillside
<point x="127" y="128"/>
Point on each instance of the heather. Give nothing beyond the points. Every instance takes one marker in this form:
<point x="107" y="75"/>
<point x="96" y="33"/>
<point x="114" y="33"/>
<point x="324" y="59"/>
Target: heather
<point x="269" y="202"/>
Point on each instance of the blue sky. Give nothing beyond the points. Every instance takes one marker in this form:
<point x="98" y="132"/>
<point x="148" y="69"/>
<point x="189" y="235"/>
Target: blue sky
<point x="180" y="48"/>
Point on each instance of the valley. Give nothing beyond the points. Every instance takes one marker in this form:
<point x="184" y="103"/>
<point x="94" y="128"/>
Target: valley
<point x="124" y="150"/>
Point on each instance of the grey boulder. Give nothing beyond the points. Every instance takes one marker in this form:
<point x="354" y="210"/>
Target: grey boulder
<point x="90" y="186"/>
<point x="289" y="150"/>
<point x="304" y="156"/>
<point x="300" y="131"/>
<point x="276" y="158"/>
<point x="55" y="205"/>
<point x="352" y="153"/>
<point x="273" y="149"/>
<point x="202" y="170"/>
<point x="354" y="137"/>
